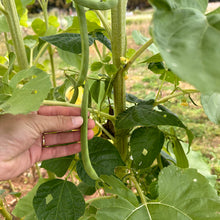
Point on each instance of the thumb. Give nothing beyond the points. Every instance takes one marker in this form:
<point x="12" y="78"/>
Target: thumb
<point x="57" y="123"/>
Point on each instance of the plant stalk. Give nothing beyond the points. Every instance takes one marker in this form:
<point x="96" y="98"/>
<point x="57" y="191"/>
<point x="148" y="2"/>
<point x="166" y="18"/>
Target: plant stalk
<point x="6" y="215"/>
<point x="58" y="103"/>
<point x="118" y="16"/>
<point x="183" y="92"/>
<point x="142" y="196"/>
<point x="14" y="26"/>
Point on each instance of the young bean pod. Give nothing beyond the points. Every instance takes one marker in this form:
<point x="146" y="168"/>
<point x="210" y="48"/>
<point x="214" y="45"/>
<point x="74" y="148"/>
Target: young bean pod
<point x="98" y="4"/>
<point x="84" y="44"/>
<point x="84" y="139"/>
<point x="82" y="78"/>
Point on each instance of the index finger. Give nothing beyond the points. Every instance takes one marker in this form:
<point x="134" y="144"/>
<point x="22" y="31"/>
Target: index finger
<point x="59" y="110"/>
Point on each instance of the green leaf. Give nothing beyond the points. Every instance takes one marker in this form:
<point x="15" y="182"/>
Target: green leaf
<point x="67" y="42"/>
<point x="211" y="106"/>
<point x="110" y="69"/>
<point x="93" y="23"/>
<point x="70" y="58"/>
<point x="181" y="159"/>
<point x="196" y="161"/>
<point x="3" y="24"/>
<point x="85" y="189"/>
<point x="184" y="194"/>
<point x="200" y="5"/>
<point x="185" y="40"/>
<point x="104" y="158"/>
<point x="146" y="144"/>
<point x="24" y="207"/>
<point x="58" y="199"/>
<point x="95" y="90"/>
<point x="53" y="21"/>
<point x="59" y="166"/>
<point x="96" y="66"/>
<point x="103" y="39"/>
<point x="154" y="59"/>
<point x="141" y="40"/>
<point x="27" y="97"/>
<point x="143" y="114"/>
<point x="119" y="208"/>
<point x="39" y="27"/>
<point x="114" y="186"/>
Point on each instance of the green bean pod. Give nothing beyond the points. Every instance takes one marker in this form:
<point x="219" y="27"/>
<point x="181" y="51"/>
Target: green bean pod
<point x="98" y="4"/>
<point x="84" y="136"/>
<point x="84" y="44"/>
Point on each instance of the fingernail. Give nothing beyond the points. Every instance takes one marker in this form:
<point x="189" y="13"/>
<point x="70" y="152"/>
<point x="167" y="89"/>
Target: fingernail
<point x="77" y="121"/>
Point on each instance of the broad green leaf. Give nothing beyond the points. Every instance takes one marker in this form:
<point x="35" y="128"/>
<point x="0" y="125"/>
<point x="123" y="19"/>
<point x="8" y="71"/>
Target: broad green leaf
<point x="96" y="66"/>
<point x="24" y="208"/>
<point x="58" y="199"/>
<point x="104" y="158"/>
<point x="103" y="39"/>
<point x="146" y="144"/>
<point x="31" y="41"/>
<point x="114" y="186"/>
<point x="95" y="90"/>
<point x="24" y="18"/>
<point x="59" y="166"/>
<point x="93" y="23"/>
<point x="211" y="106"/>
<point x="174" y="4"/>
<point x="39" y="26"/>
<point x="53" y="21"/>
<point x="181" y="159"/>
<point x="119" y="208"/>
<point x="110" y="69"/>
<point x="70" y="58"/>
<point x="85" y="189"/>
<point x="144" y="114"/>
<point x="27" y="97"/>
<point x="196" y="161"/>
<point x="184" y="194"/>
<point x="188" y="41"/>
<point x="67" y="41"/>
<point x="154" y="59"/>
<point x="141" y="40"/>
<point x="133" y="99"/>
<point x="3" y="24"/>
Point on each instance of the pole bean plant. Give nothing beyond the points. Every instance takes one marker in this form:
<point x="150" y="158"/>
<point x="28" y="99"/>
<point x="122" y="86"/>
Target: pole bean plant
<point x="138" y="161"/>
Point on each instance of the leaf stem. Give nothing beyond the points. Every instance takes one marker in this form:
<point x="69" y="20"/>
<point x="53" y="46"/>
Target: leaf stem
<point x="183" y="92"/>
<point x="2" y="9"/>
<point x="50" y="51"/>
<point x="14" y="26"/>
<point x="137" y="54"/>
<point x="104" y="23"/>
<point x="58" y="103"/>
<point x="105" y="131"/>
<point x="141" y="194"/>
<point x="42" y="50"/>
<point x="4" y="211"/>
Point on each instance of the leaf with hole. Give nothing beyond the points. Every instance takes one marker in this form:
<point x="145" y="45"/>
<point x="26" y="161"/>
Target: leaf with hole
<point x="146" y="144"/>
<point x="58" y="199"/>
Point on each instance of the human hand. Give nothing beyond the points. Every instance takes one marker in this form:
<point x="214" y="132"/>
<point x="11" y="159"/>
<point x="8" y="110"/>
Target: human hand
<point x="23" y="137"/>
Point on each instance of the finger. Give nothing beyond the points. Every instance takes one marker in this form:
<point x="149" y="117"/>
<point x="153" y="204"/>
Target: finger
<point x="59" y="110"/>
<point x="91" y="124"/>
<point x="59" y="151"/>
<point x="58" y="123"/>
<point x="64" y="138"/>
